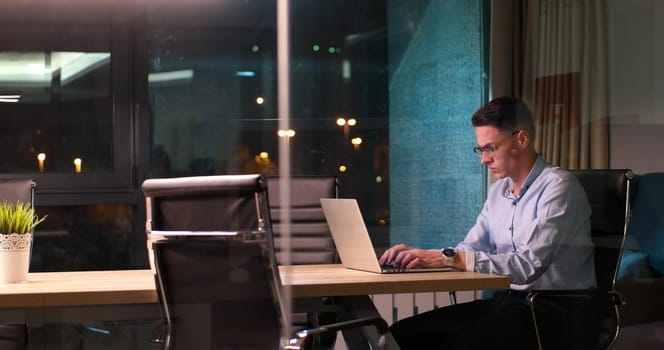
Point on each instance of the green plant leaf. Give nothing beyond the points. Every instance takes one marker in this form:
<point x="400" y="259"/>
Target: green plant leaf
<point x="18" y="218"/>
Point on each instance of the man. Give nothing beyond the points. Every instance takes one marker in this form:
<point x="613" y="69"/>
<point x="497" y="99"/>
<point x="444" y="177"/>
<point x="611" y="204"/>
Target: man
<point x="534" y="227"/>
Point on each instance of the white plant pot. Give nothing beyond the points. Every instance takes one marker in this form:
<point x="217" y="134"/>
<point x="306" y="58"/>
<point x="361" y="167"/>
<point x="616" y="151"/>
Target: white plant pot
<point x="14" y="257"/>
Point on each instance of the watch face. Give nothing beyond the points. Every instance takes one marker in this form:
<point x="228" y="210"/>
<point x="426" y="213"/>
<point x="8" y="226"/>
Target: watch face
<point x="449" y="252"/>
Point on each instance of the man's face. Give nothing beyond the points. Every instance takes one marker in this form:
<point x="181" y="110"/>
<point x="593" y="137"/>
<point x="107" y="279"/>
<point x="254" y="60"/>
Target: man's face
<point x="498" y="150"/>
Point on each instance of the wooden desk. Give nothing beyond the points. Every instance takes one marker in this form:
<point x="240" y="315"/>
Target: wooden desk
<point x="95" y="288"/>
<point x="310" y="282"/>
<point x="60" y="289"/>
<point x="55" y="297"/>
<point x="326" y="280"/>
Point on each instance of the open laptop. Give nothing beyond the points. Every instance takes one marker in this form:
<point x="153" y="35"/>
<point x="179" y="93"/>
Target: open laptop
<point x="352" y="239"/>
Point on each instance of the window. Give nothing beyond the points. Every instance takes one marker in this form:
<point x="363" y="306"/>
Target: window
<point x="60" y="107"/>
<point x="64" y="86"/>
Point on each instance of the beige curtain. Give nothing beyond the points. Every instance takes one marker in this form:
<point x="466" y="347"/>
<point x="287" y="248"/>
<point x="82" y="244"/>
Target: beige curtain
<point x="553" y="55"/>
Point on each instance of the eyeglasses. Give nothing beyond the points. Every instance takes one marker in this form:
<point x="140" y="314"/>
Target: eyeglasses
<point x="490" y="149"/>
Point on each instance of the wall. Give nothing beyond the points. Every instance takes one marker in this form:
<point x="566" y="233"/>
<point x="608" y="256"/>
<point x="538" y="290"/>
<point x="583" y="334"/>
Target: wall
<point x="636" y="87"/>
<point x="436" y="84"/>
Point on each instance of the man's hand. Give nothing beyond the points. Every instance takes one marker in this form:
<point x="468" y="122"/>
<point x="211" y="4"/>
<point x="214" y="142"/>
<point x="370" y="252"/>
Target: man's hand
<point x="403" y="256"/>
<point x="391" y="253"/>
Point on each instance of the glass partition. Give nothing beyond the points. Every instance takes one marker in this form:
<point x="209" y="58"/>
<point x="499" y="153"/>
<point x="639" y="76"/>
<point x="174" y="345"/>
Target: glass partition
<point x="213" y="94"/>
<point x="212" y="88"/>
<point x="381" y="93"/>
<point x="99" y="96"/>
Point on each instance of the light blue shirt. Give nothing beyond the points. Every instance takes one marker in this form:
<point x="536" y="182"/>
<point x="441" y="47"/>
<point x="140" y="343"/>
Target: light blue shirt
<point x="540" y="238"/>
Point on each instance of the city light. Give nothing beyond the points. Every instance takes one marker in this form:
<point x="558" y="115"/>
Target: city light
<point x="77" y="165"/>
<point x="356" y="141"/>
<point x="341" y="121"/>
<point x="346" y="124"/>
<point x="40" y="158"/>
<point x="286" y="133"/>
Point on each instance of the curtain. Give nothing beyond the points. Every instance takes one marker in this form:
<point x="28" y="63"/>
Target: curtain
<point x="557" y="63"/>
<point x="511" y="67"/>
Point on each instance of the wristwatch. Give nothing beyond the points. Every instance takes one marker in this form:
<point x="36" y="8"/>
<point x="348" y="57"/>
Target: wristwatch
<point x="449" y="254"/>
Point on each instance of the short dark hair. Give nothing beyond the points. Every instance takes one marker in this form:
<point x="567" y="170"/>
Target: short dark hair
<point x="506" y="113"/>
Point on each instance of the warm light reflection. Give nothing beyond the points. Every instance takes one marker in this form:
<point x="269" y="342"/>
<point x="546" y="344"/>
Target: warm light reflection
<point x="77" y="165"/>
<point x="264" y="155"/>
<point x="40" y="159"/>
<point x="286" y="133"/>
<point x="342" y="168"/>
<point x="346" y="124"/>
<point x="341" y="121"/>
<point x="356" y="141"/>
<point x="260" y="100"/>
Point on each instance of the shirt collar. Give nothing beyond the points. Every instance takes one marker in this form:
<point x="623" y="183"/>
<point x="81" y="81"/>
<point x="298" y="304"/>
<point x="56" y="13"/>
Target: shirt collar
<point x="536" y="170"/>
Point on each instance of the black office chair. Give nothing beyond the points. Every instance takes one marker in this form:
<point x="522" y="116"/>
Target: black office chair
<point x="222" y="288"/>
<point x="202" y="203"/>
<point x="310" y="240"/>
<point x="590" y="318"/>
<point x="15" y="336"/>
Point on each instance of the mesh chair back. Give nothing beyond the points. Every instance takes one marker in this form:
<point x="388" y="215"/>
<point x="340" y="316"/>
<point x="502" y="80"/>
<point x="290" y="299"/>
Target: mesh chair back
<point x="310" y="238"/>
<point x="608" y="192"/>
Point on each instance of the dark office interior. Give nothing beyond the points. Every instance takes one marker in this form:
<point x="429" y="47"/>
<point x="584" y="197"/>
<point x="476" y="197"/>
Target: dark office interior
<point x="98" y="96"/>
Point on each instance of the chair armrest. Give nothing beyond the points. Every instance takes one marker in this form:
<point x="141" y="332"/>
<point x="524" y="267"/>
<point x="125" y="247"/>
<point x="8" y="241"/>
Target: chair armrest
<point x="572" y="294"/>
<point x="297" y="341"/>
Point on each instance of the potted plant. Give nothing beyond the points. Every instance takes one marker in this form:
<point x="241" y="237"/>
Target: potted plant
<point x="17" y="222"/>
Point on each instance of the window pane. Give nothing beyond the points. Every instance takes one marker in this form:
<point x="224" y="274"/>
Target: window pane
<point x="212" y="87"/>
<point x="60" y="107"/>
<point x="339" y="69"/>
<point x="84" y="237"/>
<point x="212" y="90"/>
